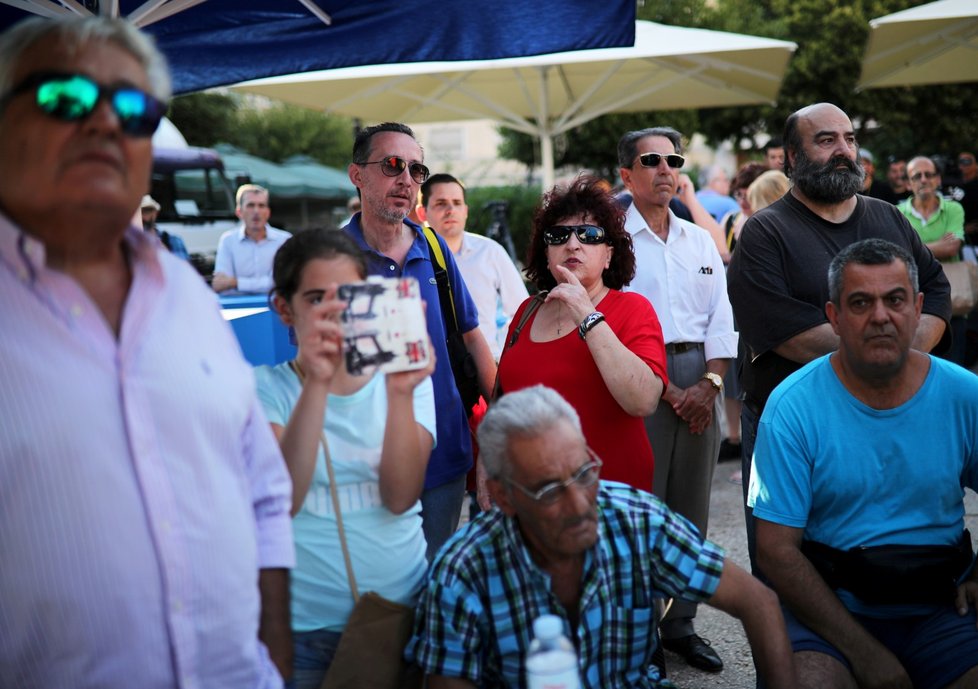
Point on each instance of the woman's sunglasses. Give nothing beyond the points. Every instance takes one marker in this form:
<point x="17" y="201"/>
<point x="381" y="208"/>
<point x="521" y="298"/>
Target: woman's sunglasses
<point x="586" y="234"/>
<point x="73" y="97"/>
<point x="392" y="166"/>
<point x="673" y="160"/>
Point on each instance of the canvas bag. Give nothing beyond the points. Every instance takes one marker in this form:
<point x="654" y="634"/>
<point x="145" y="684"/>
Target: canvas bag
<point x="963" y="276"/>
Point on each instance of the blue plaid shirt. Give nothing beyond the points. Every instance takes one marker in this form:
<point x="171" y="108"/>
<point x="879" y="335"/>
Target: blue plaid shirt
<point x="475" y="616"/>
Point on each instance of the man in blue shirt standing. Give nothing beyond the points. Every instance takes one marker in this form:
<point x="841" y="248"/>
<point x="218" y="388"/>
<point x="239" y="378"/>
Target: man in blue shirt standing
<point x="387" y="169"/>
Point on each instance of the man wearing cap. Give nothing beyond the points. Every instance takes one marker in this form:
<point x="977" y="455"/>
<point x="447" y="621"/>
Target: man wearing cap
<point x="679" y="270"/>
<point x="872" y="186"/>
<point x="149" y="209"/>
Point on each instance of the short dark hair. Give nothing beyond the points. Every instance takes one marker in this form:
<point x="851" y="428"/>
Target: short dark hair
<point x="746" y="175"/>
<point x="869" y="252"/>
<point x="440" y="178"/>
<point x="585" y="196"/>
<point x="773" y="142"/>
<point x="361" y="144"/>
<point x="627" y="145"/>
<point x="306" y="245"/>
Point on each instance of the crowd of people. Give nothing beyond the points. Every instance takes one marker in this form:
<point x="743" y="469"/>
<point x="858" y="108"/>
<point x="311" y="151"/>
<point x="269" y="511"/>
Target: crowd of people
<point x="174" y="518"/>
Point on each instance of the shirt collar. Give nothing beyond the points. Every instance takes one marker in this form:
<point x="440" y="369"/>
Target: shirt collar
<point x="635" y="223"/>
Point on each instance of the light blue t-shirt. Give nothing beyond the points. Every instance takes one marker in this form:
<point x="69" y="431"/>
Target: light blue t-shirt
<point x="851" y="475"/>
<point x="387" y="550"/>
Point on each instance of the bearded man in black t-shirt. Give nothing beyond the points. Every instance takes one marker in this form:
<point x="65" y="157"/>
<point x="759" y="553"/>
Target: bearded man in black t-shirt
<point x="777" y="278"/>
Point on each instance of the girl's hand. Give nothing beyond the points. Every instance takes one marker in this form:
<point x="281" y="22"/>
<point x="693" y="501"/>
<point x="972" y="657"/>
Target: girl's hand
<point x="404" y="382"/>
<point x="320" y="338"/>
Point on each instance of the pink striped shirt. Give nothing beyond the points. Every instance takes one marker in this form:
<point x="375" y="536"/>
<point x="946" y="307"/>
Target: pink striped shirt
<point x="141" y="489"/>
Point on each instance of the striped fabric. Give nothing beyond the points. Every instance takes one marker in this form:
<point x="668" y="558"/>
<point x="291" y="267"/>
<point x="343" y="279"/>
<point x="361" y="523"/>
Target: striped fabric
<point x="475" y="616"/>
<point x="141" y="488"/>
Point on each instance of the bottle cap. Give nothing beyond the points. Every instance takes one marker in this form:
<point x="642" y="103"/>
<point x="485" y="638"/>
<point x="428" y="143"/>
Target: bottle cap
<point x="548" y="627"/>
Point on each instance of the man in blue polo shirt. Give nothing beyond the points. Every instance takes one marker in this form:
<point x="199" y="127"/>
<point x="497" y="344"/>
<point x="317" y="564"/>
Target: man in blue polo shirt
<point x="387" y="169"/>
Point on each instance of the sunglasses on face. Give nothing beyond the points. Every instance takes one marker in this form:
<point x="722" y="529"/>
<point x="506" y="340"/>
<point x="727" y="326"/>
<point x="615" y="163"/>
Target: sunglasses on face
<point x="673" y="160"/>
<point x="966" y="162"/>
<point x="921" y="175"/>
<point x="74" y="97"/>
<point x="586" y="234"/>
<point x="392" y="166"/>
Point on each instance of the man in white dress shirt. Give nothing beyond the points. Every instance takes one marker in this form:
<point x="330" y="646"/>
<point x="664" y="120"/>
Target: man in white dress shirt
<point x="493" y="281"/>
<point x="680" y="271"/>
<point x="246" y="253"/>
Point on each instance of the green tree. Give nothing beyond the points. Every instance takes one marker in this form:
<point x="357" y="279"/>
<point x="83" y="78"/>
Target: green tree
<point x="286" y="130"/>
<point x="204" y="119"/>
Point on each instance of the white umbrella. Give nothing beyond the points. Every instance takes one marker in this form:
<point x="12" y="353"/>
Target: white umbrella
<point x="935" y="43"/>
<point x="668" y="68"/>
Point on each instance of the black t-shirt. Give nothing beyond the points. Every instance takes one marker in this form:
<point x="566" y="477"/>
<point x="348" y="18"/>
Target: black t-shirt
<point x="966" y="193"/>
<point x="778" y="284"/>
<point x="881" y="190"/>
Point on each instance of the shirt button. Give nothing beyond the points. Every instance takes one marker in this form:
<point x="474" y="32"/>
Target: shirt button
<point x="390" y="267"/>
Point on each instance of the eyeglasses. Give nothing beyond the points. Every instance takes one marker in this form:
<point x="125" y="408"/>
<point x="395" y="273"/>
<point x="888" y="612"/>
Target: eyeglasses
<point x="392" y="166"/>
<point x="74" y="97"/>
<point x="586" y="234"/>
<point x="920" y="175"/>
<point x="673" y="160"/>
<point x="550" y="494"/>
<point x="966" y="162"/>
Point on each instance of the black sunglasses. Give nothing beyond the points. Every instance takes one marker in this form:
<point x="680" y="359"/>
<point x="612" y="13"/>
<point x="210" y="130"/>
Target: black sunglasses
<point x="673" y="160"/>
<point x="392" y="166"/>
<point x="586" y="234"/>
<point x="74" y="97"/>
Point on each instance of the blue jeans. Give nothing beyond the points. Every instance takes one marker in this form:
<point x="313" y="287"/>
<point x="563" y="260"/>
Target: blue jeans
<point x="312" y="654"/>
<point x="441" y="508"/>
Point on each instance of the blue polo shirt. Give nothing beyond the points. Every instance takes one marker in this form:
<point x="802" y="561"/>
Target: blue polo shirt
<point x="452" y="455"/>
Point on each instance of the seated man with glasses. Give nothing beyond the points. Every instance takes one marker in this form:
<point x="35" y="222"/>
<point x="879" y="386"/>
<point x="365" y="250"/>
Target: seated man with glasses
<point x="561" y="542"/>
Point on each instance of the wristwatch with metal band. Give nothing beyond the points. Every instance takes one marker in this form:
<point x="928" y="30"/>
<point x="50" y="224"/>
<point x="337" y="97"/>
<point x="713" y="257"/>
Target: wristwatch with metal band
<point x="715" y="380"/>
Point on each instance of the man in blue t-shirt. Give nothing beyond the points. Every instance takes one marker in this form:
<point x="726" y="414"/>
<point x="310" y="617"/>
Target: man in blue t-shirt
<point x="388" y="170"/>
<point x="860" y="466"/>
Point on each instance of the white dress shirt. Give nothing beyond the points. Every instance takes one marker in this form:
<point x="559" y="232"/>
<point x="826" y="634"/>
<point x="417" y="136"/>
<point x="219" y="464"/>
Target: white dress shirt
<point x="684" y="279"/>
<point x="494" y="283"/>
<point x="250" y="262"/>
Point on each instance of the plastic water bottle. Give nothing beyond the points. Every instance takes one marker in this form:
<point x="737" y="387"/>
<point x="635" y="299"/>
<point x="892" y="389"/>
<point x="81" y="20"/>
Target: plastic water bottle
<point x="551" y="662"/>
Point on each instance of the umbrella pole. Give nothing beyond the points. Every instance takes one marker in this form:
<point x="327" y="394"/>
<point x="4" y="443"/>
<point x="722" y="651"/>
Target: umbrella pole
<point x="547" y="160"/>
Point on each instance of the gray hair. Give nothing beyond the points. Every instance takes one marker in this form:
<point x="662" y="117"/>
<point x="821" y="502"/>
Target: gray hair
<point x="74" y="32"/>
<point x="628" y="144"/>
<point x="523" y="413"/>
<point x="869" y="252"/>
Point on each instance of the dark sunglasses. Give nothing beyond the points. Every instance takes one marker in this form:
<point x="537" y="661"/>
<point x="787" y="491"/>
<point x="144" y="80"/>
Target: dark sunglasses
<point x="586" y="234"/>
<point x="73" y="97"/>
<point x="392" y="166"/>
<point x="673" y="160"/>
<point x="966" y="162"/>
<point x="921" y="175"/>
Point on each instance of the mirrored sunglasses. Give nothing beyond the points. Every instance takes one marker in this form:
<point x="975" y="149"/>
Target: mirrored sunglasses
<point x="586" y="234"/>
<point x="74" y="97"/>
<point x="673" y="160"/>
<point x="392" y="166"/>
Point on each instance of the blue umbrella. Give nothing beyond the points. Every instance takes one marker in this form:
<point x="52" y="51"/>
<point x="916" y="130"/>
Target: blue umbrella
<point x="217" y="42"/>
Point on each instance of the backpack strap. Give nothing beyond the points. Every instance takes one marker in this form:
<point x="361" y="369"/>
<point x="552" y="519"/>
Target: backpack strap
<point x="441" y="279"/>
<point x="531" y="307"/>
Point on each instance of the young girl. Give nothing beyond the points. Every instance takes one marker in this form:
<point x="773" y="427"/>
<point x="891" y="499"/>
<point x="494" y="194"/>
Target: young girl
<point x="379" y="430"/>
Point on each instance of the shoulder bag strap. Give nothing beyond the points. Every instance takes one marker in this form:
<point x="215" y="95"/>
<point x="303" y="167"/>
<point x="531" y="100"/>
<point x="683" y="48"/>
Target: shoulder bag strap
<point x="530" y="309"/>
<point x="441" y="279"/>
<point x="335" y="497"/>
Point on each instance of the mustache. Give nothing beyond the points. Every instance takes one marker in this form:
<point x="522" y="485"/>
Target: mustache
<point x="590" y="516"/>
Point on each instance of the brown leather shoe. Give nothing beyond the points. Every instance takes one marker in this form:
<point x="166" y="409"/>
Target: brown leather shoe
<point x="696" y="651"/>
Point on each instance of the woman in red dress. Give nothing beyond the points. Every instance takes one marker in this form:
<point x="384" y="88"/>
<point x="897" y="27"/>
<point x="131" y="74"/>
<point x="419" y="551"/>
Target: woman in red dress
<point x="599" y="347"/>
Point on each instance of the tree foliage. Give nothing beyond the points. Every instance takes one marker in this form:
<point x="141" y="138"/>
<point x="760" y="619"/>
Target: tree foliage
<point x="831" y="37"/>
<point x="274" y="133"/>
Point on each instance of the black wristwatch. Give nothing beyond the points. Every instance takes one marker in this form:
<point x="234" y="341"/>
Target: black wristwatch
<point x="591" y="320"/>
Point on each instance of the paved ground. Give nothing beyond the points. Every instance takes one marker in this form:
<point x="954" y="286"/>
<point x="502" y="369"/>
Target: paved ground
<point x="726" y="634"/>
